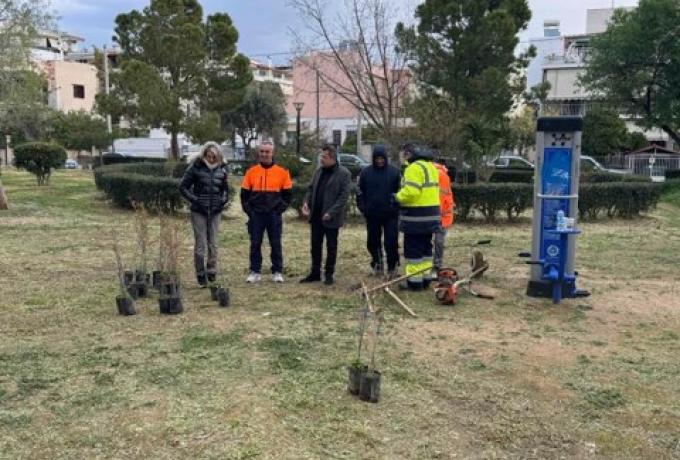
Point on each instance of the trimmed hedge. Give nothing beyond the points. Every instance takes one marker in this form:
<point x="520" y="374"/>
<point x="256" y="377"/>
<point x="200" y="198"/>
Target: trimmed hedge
<point x="622" y="199"/>
<point x="524" y="176"/>
<point x="614" y="199"/>
<point x="156" y="185"/>
<point x="490" y="199"/>
<point x="672" y="174"/>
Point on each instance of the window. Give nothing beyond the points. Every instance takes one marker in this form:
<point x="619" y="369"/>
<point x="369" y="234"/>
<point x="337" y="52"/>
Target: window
<point x="79" y="91"/>
<point x="337" y="137"/>
<point x="516" y="163"/>
<point x="262" y="73"/>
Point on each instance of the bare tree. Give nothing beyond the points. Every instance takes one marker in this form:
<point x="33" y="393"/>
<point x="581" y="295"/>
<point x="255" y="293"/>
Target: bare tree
<point x="355" y="56"/>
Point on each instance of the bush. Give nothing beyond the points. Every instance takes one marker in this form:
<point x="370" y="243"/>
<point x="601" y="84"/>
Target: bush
<point x="623" y="199"/>
<point x="672" y="174"/>
<point x="525" y="176"/>
<point x="114" y="159"/>
<point x="39" y="158"/>
<point x="617" y="199"/>
<point x="601" y="177"/>
<point x="156" y="185"/>
<point x="491" y="198"/>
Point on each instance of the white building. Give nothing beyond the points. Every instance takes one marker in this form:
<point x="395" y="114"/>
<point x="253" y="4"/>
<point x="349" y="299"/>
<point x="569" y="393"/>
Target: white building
<point x="562" y="59"/>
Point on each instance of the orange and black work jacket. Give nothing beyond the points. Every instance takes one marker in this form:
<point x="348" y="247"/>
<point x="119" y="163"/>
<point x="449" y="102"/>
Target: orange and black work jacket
<point x="266" y="189"/>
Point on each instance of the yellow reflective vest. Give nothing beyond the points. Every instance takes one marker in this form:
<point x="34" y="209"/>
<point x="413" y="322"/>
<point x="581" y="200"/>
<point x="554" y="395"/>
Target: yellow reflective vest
<point x="418" y="198"/>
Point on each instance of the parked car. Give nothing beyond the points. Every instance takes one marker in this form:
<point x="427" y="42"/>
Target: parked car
<point x="352" y="162"/>
<point x="591" y="165"/>
<point x="71" y="164"/>
<point x="511" y="162"/>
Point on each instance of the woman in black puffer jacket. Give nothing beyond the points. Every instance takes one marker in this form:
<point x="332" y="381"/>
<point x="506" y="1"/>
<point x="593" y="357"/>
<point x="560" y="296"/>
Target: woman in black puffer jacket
<point x="204" y="185"/>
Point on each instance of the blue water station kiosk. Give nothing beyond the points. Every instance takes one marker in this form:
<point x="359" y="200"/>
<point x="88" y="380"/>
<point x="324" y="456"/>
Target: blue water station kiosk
<point x="556" y="182"/>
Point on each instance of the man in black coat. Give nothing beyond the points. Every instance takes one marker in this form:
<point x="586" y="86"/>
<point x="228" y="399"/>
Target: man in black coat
<point x="204" y="186"/>
<point x="325" y="205"/>
<point x="377" y="185"/>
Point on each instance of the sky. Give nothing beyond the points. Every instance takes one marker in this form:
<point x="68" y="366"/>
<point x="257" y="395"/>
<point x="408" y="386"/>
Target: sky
<point x="264" y="25"/>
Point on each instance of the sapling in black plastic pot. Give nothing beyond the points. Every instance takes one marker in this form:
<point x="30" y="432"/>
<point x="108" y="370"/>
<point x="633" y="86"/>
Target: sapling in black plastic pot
<point x="356" y="368"/>
<point x="170" y="300"/>
<point x="369" y="385"/>
<point x="124" y="301"/>
<point x="223" y="296"/>
<point x="142" y="234"/>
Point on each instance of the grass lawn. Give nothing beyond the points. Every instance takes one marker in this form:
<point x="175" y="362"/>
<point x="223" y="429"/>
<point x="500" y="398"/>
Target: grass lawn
<point x="513" y="377"/>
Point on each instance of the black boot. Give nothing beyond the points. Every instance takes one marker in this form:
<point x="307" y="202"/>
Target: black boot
<point x="211" y="277"/>
<point x="311" y="278"/>
<point x="328" y="279"/>
<point x="201" y="280"/>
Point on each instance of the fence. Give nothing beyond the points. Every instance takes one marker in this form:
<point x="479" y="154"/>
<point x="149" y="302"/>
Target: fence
<point x="639" y="164"/>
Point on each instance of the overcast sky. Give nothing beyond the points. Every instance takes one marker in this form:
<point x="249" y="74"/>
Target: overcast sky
<point x="264" y="24"/>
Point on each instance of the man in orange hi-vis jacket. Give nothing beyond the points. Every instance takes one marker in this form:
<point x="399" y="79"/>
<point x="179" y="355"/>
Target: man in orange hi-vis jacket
<point x="266" y="192"/>
<point x="446" y="204"/>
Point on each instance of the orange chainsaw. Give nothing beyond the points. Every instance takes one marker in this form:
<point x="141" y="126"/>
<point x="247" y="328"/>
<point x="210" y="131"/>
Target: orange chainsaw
<point x="448" y="280"/>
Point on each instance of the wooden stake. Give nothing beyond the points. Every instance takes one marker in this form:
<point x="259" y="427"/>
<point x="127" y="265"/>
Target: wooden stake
<point x="367" y="297"/>
<point x="399" y="301"/>
<point x="395" y="280"/>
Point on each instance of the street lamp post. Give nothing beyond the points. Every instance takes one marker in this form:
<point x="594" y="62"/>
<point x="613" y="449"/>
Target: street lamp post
<point x="298" y="108"/>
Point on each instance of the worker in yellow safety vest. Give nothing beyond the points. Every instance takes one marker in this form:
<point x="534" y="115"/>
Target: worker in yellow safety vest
<point x="419" y="213"/>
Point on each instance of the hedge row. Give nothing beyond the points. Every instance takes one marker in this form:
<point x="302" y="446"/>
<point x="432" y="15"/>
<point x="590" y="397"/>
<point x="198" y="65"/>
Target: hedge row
<point x="527" y="177"/>
<point x="613" y="199"/>
<point x="672" y="174"/>
<point x="156" y="185"/>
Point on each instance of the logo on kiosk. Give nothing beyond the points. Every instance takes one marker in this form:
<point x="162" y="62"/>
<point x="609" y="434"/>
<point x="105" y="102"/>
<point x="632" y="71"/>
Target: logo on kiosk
<point x="553" y="251"/>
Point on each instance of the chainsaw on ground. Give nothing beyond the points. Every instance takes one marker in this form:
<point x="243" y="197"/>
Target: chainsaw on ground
<point x="448" y="280"/>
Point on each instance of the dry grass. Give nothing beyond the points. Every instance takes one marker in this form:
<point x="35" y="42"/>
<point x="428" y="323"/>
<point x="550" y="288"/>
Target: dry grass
<point x="515" y="377"/>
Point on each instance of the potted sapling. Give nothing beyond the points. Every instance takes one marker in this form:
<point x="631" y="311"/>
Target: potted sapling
<point x="369" y="384"/>
<point x="170" y="301"/>
<point x="124" y="301"/>
<point x="223" y="297"/>
<point x="356" y="368"/>
<point x="142" y="233"/>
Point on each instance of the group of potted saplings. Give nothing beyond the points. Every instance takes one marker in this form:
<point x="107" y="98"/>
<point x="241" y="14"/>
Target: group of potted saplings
<point x="364" y="379"/>
<point x="136" y="284"/>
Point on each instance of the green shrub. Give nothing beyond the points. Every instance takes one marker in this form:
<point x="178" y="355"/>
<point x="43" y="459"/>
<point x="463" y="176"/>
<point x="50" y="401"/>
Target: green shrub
<point x="490" y="199"/>
<point x="525" y="176"/>
<point x="156" y="185"/>
<point x="672" y="174"/>
<point x="39" y="158"/>
<point x="614" y="199"/>
<point x="600" y="177"/>
<point x="617" y="199"/>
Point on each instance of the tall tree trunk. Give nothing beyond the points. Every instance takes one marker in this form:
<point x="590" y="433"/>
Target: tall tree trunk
<point x="4" y="205"/>
<point x="174" y="144"/>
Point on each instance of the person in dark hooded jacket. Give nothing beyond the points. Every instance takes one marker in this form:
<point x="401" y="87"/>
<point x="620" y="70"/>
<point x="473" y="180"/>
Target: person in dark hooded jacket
<point x="377" y="185"/>
<point x="204" y="186"/>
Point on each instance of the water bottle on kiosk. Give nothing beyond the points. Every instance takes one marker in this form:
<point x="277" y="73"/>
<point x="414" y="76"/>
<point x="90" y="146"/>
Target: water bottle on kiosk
<point x="561" y="221"/>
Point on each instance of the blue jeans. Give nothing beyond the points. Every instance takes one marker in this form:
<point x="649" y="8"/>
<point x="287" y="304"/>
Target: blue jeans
<point x="258" y="224"/>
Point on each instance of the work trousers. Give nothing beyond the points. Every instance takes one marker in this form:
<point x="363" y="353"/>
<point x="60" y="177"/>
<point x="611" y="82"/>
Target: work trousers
<point x="318" y="233"/>
<point x="206" y="232"/>
<point x="418" y="255"/>
<point x="376" y="229"/>
<point x="439" y="241"/>
<point x="272" y="224"/>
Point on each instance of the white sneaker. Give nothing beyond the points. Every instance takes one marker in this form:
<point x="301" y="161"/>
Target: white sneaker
<point x="253" y="278"/>
<point x="277" y="277"/>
